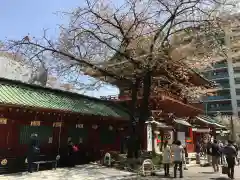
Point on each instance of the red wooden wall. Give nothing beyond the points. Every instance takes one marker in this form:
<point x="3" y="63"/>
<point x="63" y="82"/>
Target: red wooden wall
<point x="9" y="133"/>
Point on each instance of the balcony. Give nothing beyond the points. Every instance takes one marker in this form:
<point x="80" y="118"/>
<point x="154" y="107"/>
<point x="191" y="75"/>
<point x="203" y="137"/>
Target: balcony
<point x="219" y="76"/>
<point x="158" y="92"/>
<point x="227" y="86"/>
<point x="217" y="98"/>
<point x="222" y="65"/>
<point x="220" y="108"/>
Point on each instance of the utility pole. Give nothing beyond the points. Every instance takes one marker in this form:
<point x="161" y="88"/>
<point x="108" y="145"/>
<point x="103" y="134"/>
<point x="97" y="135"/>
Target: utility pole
<point x="228" y="35"/>
<point x="232" y="129"/>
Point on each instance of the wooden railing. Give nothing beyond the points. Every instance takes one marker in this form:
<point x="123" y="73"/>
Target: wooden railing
<point x="157" y="93"/>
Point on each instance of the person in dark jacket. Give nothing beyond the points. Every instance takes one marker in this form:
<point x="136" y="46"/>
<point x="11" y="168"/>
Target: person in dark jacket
<point x="209" y="152"/>
<point x="215" y="152"/>
<point x="33" y="149"/>
<point x="198" y="147"/>
<point x="198" y="151"/>
<point x="237" y="149"/>
<point x="70" y="154"/>
<point x="230" y="153"/>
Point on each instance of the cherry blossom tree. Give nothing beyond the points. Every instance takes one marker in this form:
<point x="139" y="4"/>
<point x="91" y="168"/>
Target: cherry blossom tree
<point x="129" y="44"/>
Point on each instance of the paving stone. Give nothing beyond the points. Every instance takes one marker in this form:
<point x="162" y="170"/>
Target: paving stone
<point x="83" y="172"/>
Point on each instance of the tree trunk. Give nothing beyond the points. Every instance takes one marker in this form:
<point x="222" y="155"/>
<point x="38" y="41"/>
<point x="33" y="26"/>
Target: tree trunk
<point x="132" y="124"/>
<point x="144" y="108"/>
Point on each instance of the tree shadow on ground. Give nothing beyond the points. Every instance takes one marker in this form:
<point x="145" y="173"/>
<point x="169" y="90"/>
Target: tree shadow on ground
<point x="219" y="178"/>
<point x="207" y="172"/>
<point x="165" y="177"/>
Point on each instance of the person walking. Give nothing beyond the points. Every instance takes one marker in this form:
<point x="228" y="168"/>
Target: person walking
<point x="33" y="149"/>
<point x="237" y="149"/>
<point x="166" y="158"/>
<point x="209" y="152"/>
<point x="220" y="144"/>
<point x="71" y="160"/>
<point x="198" y="151"/>
<point x="185" y="160"/>
<point x="215" y="155"/>
<point x="231" y="154"/>
<point x="178" y="153"/>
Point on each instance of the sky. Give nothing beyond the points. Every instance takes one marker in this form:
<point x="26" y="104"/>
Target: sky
<point x="22" y="17"/>
<point x="18" y="18"/>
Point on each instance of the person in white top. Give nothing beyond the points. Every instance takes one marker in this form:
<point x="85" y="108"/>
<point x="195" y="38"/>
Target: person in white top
<point x="178" y="157"/>
<point x="166" y="158"/>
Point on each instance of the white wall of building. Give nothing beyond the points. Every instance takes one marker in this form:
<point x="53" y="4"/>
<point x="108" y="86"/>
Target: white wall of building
<point x="12" y="69"/>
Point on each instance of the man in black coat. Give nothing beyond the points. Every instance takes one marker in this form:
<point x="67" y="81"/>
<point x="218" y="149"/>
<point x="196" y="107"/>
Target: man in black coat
<point x="32" y="151"/>
<point x="215" y="155"/>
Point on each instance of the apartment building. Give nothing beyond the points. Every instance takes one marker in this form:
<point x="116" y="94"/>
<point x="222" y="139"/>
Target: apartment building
<point x="226" y="74"/>
<point x="219" y="101"/>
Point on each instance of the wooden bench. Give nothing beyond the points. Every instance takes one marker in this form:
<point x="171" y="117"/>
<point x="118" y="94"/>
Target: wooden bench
<point x="53" y="162"/>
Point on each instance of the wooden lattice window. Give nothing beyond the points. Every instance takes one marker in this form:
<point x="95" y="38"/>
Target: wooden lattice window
<point x="43" y="132"/>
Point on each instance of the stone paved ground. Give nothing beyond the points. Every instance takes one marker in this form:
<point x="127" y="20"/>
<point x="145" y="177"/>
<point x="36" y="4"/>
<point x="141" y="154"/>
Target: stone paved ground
<point x="83" y="172"/>
<point x="197" y="173"/>
<point x="94" y="172"/>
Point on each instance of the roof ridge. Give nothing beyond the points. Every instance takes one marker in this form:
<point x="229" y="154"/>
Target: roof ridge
<point x="58" y="93"/>
<point x="38" y="87"/>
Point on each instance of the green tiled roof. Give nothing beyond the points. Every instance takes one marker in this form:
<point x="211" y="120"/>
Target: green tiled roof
<point x="209" y="120"/>
<point x="17" y="93"/>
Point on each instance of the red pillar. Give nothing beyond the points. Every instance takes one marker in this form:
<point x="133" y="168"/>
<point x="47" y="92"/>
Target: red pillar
<point x="190" y="145"/>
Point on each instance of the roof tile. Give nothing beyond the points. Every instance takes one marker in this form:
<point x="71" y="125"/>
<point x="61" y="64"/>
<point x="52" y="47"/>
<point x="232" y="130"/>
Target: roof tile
<point x="44" y="98"/>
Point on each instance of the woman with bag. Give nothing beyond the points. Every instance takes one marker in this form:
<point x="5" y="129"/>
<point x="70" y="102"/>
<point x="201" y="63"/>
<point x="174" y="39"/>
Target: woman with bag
<point x="166" y="158"/>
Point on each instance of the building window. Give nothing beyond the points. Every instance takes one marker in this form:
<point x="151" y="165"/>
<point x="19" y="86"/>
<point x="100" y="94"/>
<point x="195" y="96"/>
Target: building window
<point x="238" y="91"/>
<point x="236" y="70"/>
<point x="212" y="106"/>
<point x="237" y="80"/>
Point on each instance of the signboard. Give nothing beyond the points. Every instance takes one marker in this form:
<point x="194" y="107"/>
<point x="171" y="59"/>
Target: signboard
<point x="35" y="123"/>
<point x="50" y="140"/>
<point x="168" y="136"/>
<point x="149" y="137"/>
<point x="79" y="125"/>
<point x="109" y="97"/>
<point x="3" y="121"/>
<point x="181" y="137"/>
<point x="206" y="138"/>
<point x="156" y="113"/>
<point x="57" y="124"/>
<point x="201" y="130"/>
